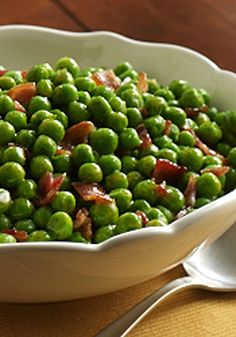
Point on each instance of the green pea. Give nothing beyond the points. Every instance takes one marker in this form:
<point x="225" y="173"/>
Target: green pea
<point x="99" y="109"/>
<point x="155" y="105"/>
<point x="61" y="163"/>
<point x="41" y="216"/>
<point x="168" y="214"/>
<point x="173" y="199"/>
<point x="109" y="163"/>
<point x="90" y="172"/>
<point x="230" y="179"/>
<point x="134" y="117"/>
<point x="82" y="153"/>
<point x="192" y="158"/>
<point x="60" y="116"/>
<point x="127" y="222"/>
<point x="174" y="132"/>
<point x="45" y="87"/>
<point x="151" y="150"/>
<point x="103" y="233"/>
<point x="38" y="117"/>
<point x="11" y="175"/>
<point x="202" y="118"/>
<point x="62" y="76"/>
<point x="39" y="235"/>
<point x="129" y="164"/>
<point x="84" y="97"/>
<point x="45" y="145"/>
<point x="123" y="198"/>
<point x="5" y="200"/>
<point x="7" y="238"/>
<point x="210" y="160"/>
<point x="133" y="177"/>
<point x="208" y="185"/>
<point x="20" y="209"/>
<point x="163" y="141"/>
<point x="176" y="115"/>
<point x="77" y="112"/>
<point x="184" y="179"/>
<point x="206" y="96"/>
<point x="16" y="75"/>
<point x="132" y="74"/>
<point x="64" y="201"/>
<point x="165" y="93"/>
<point x="104" y="91"/>
<point x="38" y="103"/>
<point x="5" y="222"/>
<point x="116" y="180"/>
<point x="191" y="98"/>
<point x="7" y="132"/>
<point x="77" y="237"/>
<point x="7" y="82"/>
<point x="122" y="67"/>
<point x="14" y="154"/>
<point x="178" y="87"/>
<point x="117" y="121"/>
<point x="38" y="72"/>
<point x="223" y="148"/>
<point x="146" y="189"/>
<point x="52" y="128"/>
<point x="26" y="225"/>
<point x="17" y="118"/>
<point x="104" y="214"/>
<point x="104" y="141"/>
<point x="124" y="87"/>
<point x="64" y="94"/>
<point x="117" y="104"/>
<point x="146" y="165"/>
<point x="201" y="202"/>
<point x="26" y="138"/>
<point x="129" y="138"/>
<point x="155" y="222"/>
<point x="39" y="165"/>
<point x="85" y="84"/>
<point x="155" y="126"/>
<point x="6" y="104"/>
<point x="156" y="214"/>
<point x="27" y="189"/>
<point x="168" y="154"/>
<point x="186" y="138"/>
<point x="140" y="205"/>
<point x="210" y="133"/>
<point x="60" y="226"/>
<point x="232" y="157"/>
<point x="70" y="64"/>
<point x="132" y="98"/>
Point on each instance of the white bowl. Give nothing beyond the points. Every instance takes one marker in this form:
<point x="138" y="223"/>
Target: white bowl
<point x="55" y="271"/>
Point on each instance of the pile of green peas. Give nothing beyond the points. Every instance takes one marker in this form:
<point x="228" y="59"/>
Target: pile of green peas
<point x="39" y="106"/>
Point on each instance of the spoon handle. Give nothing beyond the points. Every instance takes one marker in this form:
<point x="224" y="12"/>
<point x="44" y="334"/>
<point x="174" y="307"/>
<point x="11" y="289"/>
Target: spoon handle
<point x="124" y="324"/>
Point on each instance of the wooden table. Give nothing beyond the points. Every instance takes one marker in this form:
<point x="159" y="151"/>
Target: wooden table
<point x="208" y="26"/>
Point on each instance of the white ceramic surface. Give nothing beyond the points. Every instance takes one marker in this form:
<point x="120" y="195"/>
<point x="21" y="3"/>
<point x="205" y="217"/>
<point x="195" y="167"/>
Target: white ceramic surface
<point x="54" y="271"/>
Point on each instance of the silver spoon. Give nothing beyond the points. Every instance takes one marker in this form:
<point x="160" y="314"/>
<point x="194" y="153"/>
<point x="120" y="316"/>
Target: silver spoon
<point x="212" y="267"/>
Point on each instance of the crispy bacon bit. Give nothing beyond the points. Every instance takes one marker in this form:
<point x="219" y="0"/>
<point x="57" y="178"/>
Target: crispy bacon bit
<point x="19" y="107"/>
<point x="23" y="92"/>
<point x="24" y="74"/>
<point x="144" y="112"/>
<point x="92" y="192"/>
<point x="77" y="134"/>
<point x="2" y="72"/>
<point x="48" y="187"/>
<point x="165" y="170"/>
<point x="219" y="171"/>
<point x="142" y="84"/>
<point x="143" y="217"/>
<point x="20" y="236"/>
<point x="83" y="223"/>
<point x="161" y="189"/>
<point x="144" y="136"/>
<point x="61" y="150"/>
<point x="167" y="127"/>
<point x="194" y="112"/>
<point x="106" y="77"/>
<point x="190" y="191"/>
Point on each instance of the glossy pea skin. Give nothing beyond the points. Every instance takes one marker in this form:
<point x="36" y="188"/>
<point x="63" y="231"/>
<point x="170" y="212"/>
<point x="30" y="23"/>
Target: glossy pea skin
<point x="7" y="238"/>
<point x="116" y="180"/>
<point x="39" y="235"/>
<point x="52" y="128"/>
<point x="109" y="163"/>
<point x="178" y="87"/>
<point x="7" y="82"/>
<point x="7" y="132"/>
<point x="140" y="205"/>
<point x="176" y="115"/>
<point x="210" y="133"/>
<point x="14" y="154"/>
<point x="134" y="117"/>
<point x="155" y="105"/>
<point x="184" y="179"/>
<point x="132" y="98"/>
<point x="122" y="197"/>
<point x="16" y="118"/>
<point x="168" y="214"/>
<point x="27" y="189"/>
<point x="60" y="226"/>
<point x="5" y="200"/>
<point x="156" y="214"/>
<point x="5" y="222"/>
<point x="200" y="202"/>
<point x="62" y="76"/>
<point x="60" y="116"/>
<point x="77" y="112"/>
<point x="26" y="225"/>
<point x="134" y="177"/>
<point x="103" y="233"/>
<point x="61" y="163"/>
<point x="192" y="158"/>
<point x="64" y="94"/>
<point x="208" y="185"/>
<point x="90" y="172"/>
<point x="38" y="103"/>
<point x="6" y="104"/>
<point x="146" y="165"/>
<point x="146" y="189"/>
<point x="162" y="141"/>
<point x="168" y="154"/>
<point x="232" y="157"/>
<point x="129" y="164"/>
<point x="83" y="97"/>
<point x="104" y="214"/>
<point x="117" y="104"/>
<point x="45" y="87"/>
<point x="173" y="200"/>
<point x="70" y="64"/>
<point x="38" y="72"/>
<point x="81" y="154"/>
<point x="85" y="84"/>
<point x="38" y="117"/>
<point x="117" y="121"/>
<point x="186" y="138"/>
<point x="129" y="138"/>
<point x="210" y="160"/>
<point x="103" y="91"/>
<point x="39" y="165"/>
<point x="64" y="201"/>
<point x="223" y="148"/>
<point x="11" y="175"/>
<point x="16" y="75"/>
<point x="26" y="137"/>
<point x="20" y="209"/>
<point x="122" y="67"/>
<point x="77" y="237"/>
<point x="191" y="98"/>
<point x="45" y="145"/>
<point x="155" y="125"/>
<point x="41" y="216"/>
<point x="202" y="118"/>
<point x="127" y="222"/>
<point x="99" y="109"/>
<point x="104" y="141"/>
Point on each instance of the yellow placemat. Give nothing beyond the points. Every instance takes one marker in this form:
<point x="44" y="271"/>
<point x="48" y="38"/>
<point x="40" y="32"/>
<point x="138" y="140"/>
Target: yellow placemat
<point x="191" y="313"/>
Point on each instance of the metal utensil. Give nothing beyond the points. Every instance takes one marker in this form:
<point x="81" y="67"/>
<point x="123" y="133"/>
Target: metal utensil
<point x="211" y="267"/>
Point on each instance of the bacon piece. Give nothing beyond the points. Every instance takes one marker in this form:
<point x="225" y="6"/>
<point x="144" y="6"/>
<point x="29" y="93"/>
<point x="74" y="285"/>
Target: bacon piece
<point x="92" y="192"/>
<point x="219" y="171"/>
<point x="61" y="150"/>
<point x="167" y="127"/>
<point x="77" y="134"/>
<point x="19" y="107"/>
<point x="190" y="191"/>
<point x="167" y="170"/>
<point x="106" y="77"/>
<point x="144" y="136"/>
<point x="83" y="223"/>
<point x="24" y="74"/>
<point x="194" y="112"/>
<point x="20" y="236"/>
<point x="2" y="72"/>
<point x="49" y="187"/>
<point x="23" y="92"/>
<point x="143" y="217"/>
<point x="142" y="84"/>
<point x="161" y="189"/>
